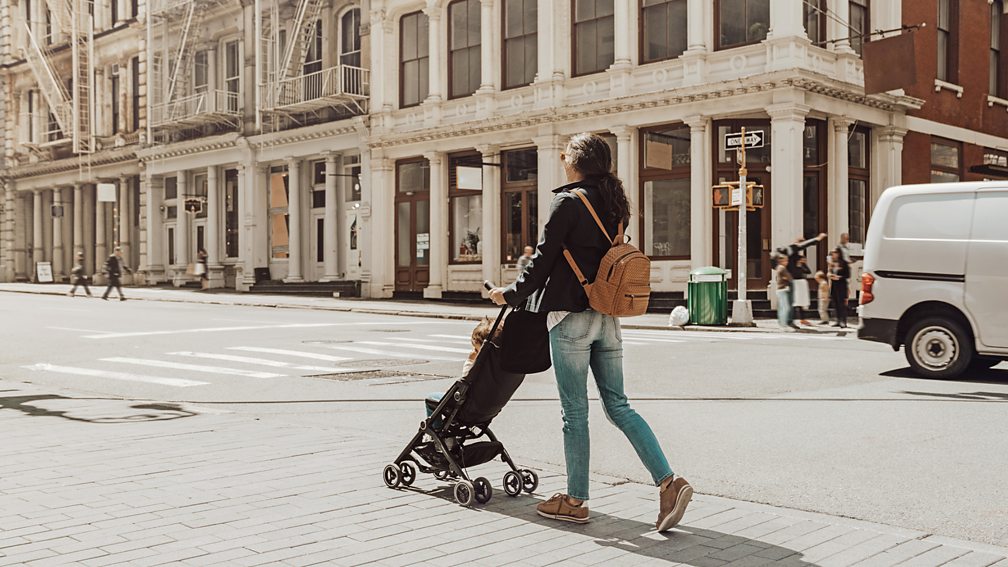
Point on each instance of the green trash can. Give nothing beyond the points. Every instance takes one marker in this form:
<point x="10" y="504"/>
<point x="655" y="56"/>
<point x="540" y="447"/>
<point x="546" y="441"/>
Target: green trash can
<point x="707" y="298"/>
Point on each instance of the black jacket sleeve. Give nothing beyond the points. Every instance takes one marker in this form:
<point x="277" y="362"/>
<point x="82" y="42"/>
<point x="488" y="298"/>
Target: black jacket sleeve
<point x="549" y="251"/>
<point x="803" y="245"/>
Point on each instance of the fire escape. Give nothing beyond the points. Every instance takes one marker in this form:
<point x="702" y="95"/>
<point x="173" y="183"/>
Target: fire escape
<point x="72" y="106"/>
<point x="174" y="32"/>
<point x="290" y="85"/>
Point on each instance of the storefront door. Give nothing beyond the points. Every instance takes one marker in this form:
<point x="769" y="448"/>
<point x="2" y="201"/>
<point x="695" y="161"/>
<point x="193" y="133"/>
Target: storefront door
<point x="412" y="226"/>
<point x="279" y="223"/>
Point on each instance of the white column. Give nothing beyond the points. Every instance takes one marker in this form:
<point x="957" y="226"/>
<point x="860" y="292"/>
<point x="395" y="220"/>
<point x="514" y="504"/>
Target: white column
<point x="213" y="233"/>
<point x="696" y="27"/>
<point x="491" y="221"/>
<point x="700" y="192"/>
<point x="294" y="214"/>
<point x="889" y="161"/>
<point x="155" y="191"/>
<point x="37" y="239"/>
<point x="78" y="220"/>
<point x="332" y="224"/>
<point x="838" y="221"/>
<point x="101" y="225"/>
<point x="378" y="248"/>
<point x="786" y="18"/>
<point x="840" y="27"/>
<point x="246" y="212"/>
<point x="433" y="11"/>
<point x="488" y="55"/>
<point x="126" y="218"/>
<point x="626" y="170"/>
<point x="181" y="230"/>
<point x="623" y="46"/>
<point x="550" y="173"/>
<point x="57" y="235"/>
<point x="787" y="124"/>
<point x="438" y="239"/>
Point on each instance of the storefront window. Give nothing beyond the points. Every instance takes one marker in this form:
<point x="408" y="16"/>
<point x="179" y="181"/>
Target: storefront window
<point x="466" y="211"/>
<point x="231" y="213"/>
<point x="279" y="221"/>
<point x="520" y="205"/>
<point x="859" y="175"/>
<point x="665" y="192"/>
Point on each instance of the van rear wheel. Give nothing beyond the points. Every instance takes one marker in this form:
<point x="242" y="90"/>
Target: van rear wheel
<point x="937" y="347"/>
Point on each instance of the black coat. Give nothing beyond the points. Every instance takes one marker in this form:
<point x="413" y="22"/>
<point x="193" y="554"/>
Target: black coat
<point x="794" y="252"/>
<point x="113" y="266"/>
<point x="569" y="223"/>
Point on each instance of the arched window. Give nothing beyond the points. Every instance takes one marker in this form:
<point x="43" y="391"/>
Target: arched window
<point x="350" y="42"/>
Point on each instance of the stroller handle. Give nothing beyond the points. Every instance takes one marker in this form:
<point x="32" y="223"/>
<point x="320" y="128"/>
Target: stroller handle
<point x="488" y="285"/>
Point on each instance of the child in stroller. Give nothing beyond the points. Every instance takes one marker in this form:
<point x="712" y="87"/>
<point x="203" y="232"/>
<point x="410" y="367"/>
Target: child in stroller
<point x="450" y="439"/>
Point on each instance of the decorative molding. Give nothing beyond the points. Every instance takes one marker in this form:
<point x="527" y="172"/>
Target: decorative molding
<point x="108" y="157"/>
<point x="957" y="89"/>
<point x="992" y="100"/>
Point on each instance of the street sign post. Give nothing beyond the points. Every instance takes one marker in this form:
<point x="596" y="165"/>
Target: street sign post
<point x="741" y="307"/>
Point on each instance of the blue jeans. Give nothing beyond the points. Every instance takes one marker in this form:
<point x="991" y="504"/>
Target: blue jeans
<point x="784" y="307"/>
<point x="592" y="339"/>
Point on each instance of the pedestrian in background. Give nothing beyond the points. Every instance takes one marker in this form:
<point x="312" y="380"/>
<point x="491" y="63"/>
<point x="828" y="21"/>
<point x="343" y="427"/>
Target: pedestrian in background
<point x="525" y="259"/>
<point x="202" y="270"/>
<point x="844" y="248"/>
<point x="839" y="274"/>
<point x="114" y="267"/>
<point x="822" y="284"/>
<point x="784" y="293"/>
<point x="79" y="277"/>
<point x="793" y="252"/>
<point x="800" y="300"/>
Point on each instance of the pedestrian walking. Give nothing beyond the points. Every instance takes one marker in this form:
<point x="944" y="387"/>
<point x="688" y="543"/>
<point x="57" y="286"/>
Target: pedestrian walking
<point x="800" y="300"/>
<point x="581" y="337"/>
<point x="114" y="267"/>
<point x="844" y="248"/>
<point x="822" y="285"/>
<point x="839" y="290"/>
<point x="798" y="274"/>
<point x="79" y="277"/>
<point x="525" y="259"/>
<point x="784" y="280"/>
<point x="202" y="270"/>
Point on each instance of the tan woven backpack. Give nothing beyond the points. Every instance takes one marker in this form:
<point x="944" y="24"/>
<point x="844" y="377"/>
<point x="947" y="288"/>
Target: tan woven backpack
<point x="622" y="287"/>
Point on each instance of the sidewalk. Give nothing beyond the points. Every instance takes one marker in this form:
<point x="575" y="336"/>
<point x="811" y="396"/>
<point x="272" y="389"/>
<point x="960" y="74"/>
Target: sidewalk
<point x="418" y="308"/>
<point x="95" y="481"/>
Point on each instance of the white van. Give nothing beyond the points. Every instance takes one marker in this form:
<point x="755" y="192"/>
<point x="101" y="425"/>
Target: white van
<point x="936" y="276"/>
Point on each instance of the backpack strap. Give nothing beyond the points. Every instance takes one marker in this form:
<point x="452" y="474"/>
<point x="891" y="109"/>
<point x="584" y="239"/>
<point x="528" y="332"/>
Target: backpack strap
<point x="577" y="271"/>
<point x="598" y="221"/>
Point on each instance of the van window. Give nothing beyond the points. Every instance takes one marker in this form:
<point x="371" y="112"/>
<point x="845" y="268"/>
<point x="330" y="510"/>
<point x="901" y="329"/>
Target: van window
<point x="931" y="217"/>
<point x="991" y="220"/>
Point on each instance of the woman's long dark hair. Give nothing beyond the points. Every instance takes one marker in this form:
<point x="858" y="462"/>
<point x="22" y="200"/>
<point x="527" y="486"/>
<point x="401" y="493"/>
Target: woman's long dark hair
<point x="589" y="155"/>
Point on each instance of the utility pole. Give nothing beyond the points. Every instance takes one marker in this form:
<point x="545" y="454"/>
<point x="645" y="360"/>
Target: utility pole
<point x="741" y="307"/>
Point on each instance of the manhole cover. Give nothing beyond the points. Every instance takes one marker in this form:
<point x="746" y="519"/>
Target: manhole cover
<point x="386" y="362"/>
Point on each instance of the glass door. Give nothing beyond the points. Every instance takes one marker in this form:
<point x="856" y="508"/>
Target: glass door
<point x="412" y="226"/>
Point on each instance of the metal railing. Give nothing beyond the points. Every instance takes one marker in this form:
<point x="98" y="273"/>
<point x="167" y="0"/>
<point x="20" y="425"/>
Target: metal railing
<point x="204" y="107"/>
<point x="38" y="129"/>
<point x="338" y="81"/>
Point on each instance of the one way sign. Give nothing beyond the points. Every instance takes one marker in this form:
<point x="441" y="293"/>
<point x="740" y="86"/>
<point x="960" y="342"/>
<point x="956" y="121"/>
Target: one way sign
<point x="753" y="139"/>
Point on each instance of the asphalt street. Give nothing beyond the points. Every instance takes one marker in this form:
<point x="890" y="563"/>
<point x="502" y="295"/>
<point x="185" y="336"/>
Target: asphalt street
<point x="817" y="423"/>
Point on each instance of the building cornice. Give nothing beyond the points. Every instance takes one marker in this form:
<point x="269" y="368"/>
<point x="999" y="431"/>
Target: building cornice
<point x="105" y="157"/>
<point x="189" y="147"/>
<point x="355" y="125"/>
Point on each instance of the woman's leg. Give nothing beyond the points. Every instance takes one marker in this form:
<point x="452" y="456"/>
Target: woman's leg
<point x="842" y="305"/>
<point x="783" y="307"/>
<point x="607" y="367"/>
<point x="571" y="342"/>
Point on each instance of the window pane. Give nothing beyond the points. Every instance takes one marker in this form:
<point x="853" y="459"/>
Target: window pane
<point x="409" y="37"/>
<point x="460" y="70"/>
<point x="320" y="240"/>
<point x="278" y="190"/>
<point x="584" y="10"/>
<point x="810" y="205"/>
<point x="424" y="74"/>
<point x="513" y="244"/>
<point x="319" y="173"/>
<point x="279" y="234"/>
<point x="732" y="22"/>
<point x="404" y="244"/>
<point x="423" y="35"/>
<point x="656" y="41"/>
<point x="666" y="149"/>
<point x="857" y="190"/>
<point x="606" y="44"/>
<point x="945" y="156"/>
<point x="467" y="219"/>
<point x="318" y="199"/>
<point x="474" y="69"/>
<point x="521" y="165"/>
<point x="423" y="227"/>
<point x="170" y="188"/>
<point x="667" y="217"/>
<point x="414" y="177"/>
<point x="531" y="58"/>
<point x="757" y="20"/>
<point x="857" y="150"/>
<point x="473" y="21"/>
<point x="943" y="177"/>
<point x="604" y="8"/>
<point x="514" y="14"/>
<point x="531" y="13"/>
<point x="810" y="144"/>
<point x="411" y="83"/>
<point x="943" y="55"/>
<point x="459" y="34"/>
<point x="585" y="48"/>
<point x="677" y="27"/>
<point x="944" y="20"/>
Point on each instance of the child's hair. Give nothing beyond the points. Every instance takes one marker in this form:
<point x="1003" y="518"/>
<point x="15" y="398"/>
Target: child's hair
<point x="820" y="275"/>
<point x="482" y="332"/>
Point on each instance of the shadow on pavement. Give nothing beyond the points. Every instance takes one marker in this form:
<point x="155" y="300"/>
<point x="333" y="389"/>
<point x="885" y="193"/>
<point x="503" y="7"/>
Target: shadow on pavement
<point x="984" y="396"/>
<point x="991" y="376"/>
<point x="28" y="405"/>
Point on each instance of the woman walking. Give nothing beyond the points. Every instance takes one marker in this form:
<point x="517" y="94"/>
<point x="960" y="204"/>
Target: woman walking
<point x="839" y="274"/>
<point x="580" y="337"/>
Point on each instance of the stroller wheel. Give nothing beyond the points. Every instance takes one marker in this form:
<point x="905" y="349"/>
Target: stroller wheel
<point x="407" y="473"/>
<point x="464" y="492"/>
<point x="512" y="483"/>
<point x="530" y="480"/>
<point x="484" y="492"/>
<point x="392" y="476"/>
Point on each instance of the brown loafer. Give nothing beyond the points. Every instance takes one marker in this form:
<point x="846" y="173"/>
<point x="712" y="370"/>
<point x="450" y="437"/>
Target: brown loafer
<point x="559" y="507"/>
<point x="674" y="499"/>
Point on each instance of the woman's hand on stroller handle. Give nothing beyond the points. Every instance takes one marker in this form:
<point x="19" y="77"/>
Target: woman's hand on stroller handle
<point x="496" y="293"/>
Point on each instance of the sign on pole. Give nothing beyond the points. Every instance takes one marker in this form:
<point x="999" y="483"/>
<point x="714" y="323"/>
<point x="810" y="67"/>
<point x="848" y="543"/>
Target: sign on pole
<point x="468" y="177"/>
<point x="106" y="192"/>
<point x="753" y="139"/>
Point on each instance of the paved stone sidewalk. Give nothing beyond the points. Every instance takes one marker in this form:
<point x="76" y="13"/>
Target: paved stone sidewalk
<point x="94" y="481"/>
<point x="436" y="309"/>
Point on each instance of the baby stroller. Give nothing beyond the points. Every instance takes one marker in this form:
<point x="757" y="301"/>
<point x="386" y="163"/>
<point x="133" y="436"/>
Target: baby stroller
<point x="452" y="438"/>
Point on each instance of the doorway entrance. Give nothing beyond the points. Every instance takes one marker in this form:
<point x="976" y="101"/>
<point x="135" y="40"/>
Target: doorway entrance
<point x="758" y="226"/>
<point x="279" y="223"/>
<point x="412" y="226"/>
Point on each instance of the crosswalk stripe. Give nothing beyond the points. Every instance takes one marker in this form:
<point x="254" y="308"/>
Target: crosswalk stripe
<point x="294" y="353"/>
<point x="456" y="337"/>
<point x="176" y="382"/>
<point x="373" y="351"/>
<point x="419" y="347"/>
<point x="441" y="341"/>
<point x="191" y="367"/>
<point x="259" y="361"/>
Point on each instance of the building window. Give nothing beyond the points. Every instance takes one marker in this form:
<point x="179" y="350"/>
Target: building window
<point x="279" y="217"/>
<point x="815" y="21"/>
<point x="171" y="246"/>
<point x="663" y="29"/>
<point x="520" y="205"/>
<point x="521" y="59"/>
<point x="31" y="117"/>
<point x="594" y="36"/>
<point x="948" y="40"/>
<point x="413" y="59"/>
<point x="170" y="188"/>
<point x="996" y="85"/>
<point x="665" y="192"/>
<point x="232" y="74"/>
<point x="858" y="178"/>
<point x="114" y="88"/>
<point x="231" y="213"/>
<point x="946" y="160"/>
<point x="351" y="180"/>
<point x="350" y="40"/>
<point x="463" y="48"/>
<point x="741" y="22"/>
<point x="318" y="184"/>
<point x="814" y="190"/>
<point x="135" y="93"/>
<point x="201" y="79"/>
<point x="319" y="240"/>
<point x="860" y="22"/>
<point x="465" y="207"/>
